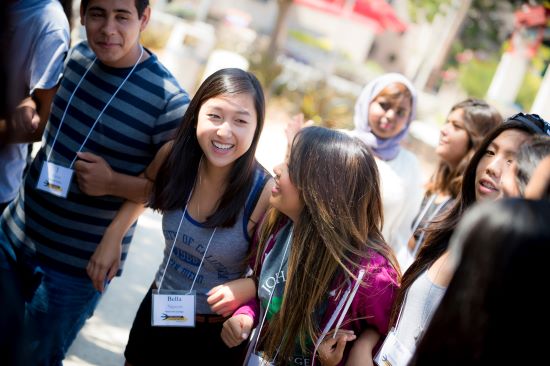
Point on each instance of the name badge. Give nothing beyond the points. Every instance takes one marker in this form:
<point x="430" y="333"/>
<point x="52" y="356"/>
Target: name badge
<point x="257" y="360"/>
<point x="55" y="179"/>
<point x="392" y="352"/>
<point x="173" y="309"/>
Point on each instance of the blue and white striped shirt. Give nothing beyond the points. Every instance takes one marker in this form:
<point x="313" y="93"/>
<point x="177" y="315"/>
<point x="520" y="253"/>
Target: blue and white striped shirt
<point x="139" y="120"/>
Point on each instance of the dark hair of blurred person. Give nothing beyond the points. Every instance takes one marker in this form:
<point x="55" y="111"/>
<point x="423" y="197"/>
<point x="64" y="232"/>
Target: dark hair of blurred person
<point x="493" y="310"/>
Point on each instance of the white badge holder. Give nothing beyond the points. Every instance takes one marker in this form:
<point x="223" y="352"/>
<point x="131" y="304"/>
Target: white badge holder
<point x="172" y="308"/>
<point x="257" y="360"/>
<point x="55" y="179"/>
<point x="392" y="352"/>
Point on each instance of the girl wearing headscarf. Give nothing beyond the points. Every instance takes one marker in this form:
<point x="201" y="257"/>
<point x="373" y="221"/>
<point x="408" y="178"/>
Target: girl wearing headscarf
<point x="383" y="114"/>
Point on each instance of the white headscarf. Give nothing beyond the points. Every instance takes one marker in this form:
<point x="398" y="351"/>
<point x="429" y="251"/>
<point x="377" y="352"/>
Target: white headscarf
<point x="385" y="149"/>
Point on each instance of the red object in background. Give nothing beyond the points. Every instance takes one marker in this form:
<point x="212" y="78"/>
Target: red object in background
<point x="531" y="22"/>
<point x="376" y="13"/>
<point x="530" y="16"/>
<point x="381" y="12"/>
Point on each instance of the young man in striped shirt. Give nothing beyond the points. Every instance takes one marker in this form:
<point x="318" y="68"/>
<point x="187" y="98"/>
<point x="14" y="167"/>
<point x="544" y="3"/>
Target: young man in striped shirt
<point x="115" y="107"/>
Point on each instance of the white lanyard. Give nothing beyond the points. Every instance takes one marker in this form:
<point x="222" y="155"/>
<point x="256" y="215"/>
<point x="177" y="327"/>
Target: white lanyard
<point x="418" y="242"/>
<point x="258" y="333"/>
<point x="174" y="244"/>
<point x="346" y="299"/>
<point x="100" y="114"/>
<point x="423" y="212"/>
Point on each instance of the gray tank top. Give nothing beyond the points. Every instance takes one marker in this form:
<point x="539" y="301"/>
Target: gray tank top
<point x="224" y="260"/>
<point x="422" y="300"/>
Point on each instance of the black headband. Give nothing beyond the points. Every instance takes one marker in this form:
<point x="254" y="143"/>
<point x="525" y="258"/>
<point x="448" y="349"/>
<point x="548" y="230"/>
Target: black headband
<point x="530" y="120"/>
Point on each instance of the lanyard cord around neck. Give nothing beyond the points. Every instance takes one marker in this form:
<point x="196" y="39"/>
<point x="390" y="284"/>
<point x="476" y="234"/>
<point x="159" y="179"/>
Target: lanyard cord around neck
<point x="432" y="216"/>
<point x="288" y="240"/>
<point x="172" y="251"/>
<point x="100" y="114"/>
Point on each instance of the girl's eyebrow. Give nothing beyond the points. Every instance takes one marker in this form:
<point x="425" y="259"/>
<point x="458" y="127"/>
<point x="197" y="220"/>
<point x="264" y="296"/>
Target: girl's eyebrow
<point x="240" y="110"/>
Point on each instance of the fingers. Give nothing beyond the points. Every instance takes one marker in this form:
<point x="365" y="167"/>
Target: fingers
<point x="101" y="274"/>
<point x="231" y="332"/>
<point x="213" y="290"/>
<point x="97" y="274"/>
<point x="87" y="156"/>
<point x="112" y="272"/>
<point x="298" y="118"/>
<point x="341" y="343"/>
<point x="215" y="295"/>
<point x="24" y="117"/>
<point x="35" y="122"/>
<point x="221" y="308"/>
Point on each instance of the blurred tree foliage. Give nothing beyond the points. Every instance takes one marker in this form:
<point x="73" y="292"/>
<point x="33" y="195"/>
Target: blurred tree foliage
<point x="485" y="31"/>
<point x="475" y="76"/>
<point x="487" y="25"/>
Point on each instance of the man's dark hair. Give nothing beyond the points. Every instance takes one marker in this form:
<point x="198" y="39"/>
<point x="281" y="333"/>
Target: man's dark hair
<point x="140" y="6"/>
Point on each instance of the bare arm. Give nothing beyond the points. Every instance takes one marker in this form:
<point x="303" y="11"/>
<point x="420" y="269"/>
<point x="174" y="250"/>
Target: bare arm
<point x="28" y="119"/>
<point x="225" y="298"/>
<point x="105" y="261"/>
<point x="361" y="351"/>
<point x="95" y="177"/>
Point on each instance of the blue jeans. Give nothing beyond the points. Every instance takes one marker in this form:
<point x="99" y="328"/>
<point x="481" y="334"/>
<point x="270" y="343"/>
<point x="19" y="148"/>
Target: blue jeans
<point x="60" y="307"/>
<point x="12" y="306"/>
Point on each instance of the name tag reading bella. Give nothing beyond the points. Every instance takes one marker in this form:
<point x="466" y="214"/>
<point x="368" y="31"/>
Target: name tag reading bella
<point x="55" y="179"/>
<point x="173" y="309"/>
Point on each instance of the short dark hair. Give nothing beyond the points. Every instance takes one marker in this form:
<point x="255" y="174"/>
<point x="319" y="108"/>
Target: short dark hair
<point x="140" y="6"/>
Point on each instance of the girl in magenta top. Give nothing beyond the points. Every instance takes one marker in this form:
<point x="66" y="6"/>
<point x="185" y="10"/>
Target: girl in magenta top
<point x="325" y="278"/>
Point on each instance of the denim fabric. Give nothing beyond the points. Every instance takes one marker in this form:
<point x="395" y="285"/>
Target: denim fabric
<point x="12" y="306"/>
<point x="60" y="307"/>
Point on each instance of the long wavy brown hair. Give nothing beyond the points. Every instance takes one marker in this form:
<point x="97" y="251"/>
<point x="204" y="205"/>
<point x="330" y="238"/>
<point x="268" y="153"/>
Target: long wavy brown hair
<point x="479" y="118"/>
<point x="338" y="182"/>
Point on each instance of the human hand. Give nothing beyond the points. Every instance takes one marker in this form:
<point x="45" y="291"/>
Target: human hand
<point x="226" y="298"/>
<point x="105" y="262"/>
<point x="236" y="329"/>
<point x="26" y="118"/>
<point x="296" y="123"/>
<point x="94" y="175"/>
<point x="331" y="350"/>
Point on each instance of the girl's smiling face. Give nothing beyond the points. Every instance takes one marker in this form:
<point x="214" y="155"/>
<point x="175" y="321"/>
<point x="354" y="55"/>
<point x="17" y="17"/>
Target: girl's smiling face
<point x="285" y="197"/>
<point x="225" y="128"/>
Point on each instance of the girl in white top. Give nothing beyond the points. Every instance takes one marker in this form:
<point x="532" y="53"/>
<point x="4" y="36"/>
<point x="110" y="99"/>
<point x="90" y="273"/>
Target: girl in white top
<point x="383" y="114"/>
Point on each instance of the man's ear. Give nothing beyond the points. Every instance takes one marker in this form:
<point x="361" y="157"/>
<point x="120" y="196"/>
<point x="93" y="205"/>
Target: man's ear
<point x="145" y="18"/>
<point x="82" y="15"/>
